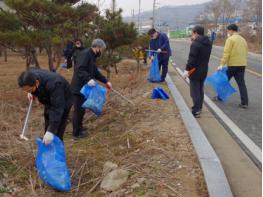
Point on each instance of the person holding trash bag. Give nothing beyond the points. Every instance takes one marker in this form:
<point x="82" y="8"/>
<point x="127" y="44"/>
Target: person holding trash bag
<point x="197" y="67"/>
<point x="160" y="43"/>
<point x="53" y="91"/>
<point x="72" y="53"/>
<point x="86" y="72"/>
<point x="235" y="57"/>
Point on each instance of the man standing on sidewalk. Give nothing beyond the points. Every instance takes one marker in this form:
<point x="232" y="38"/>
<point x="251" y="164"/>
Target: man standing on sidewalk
<point x="197" y="67"/>
<point x="86" y="72"/>
<point x="160" y="43"/>
<point x="235" y="57"/>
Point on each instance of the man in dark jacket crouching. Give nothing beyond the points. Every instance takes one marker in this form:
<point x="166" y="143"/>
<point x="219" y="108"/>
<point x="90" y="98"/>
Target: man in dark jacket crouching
<point x="53" y="91"/>
<point x="197" y="67"/>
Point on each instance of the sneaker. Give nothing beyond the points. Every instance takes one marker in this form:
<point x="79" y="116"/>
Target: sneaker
<point x="243" y="106"/>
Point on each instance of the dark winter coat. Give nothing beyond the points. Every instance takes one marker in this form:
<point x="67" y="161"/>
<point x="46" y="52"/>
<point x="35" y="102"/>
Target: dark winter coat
<point x="86" y="70"/>
<point x="72" y="55"/>
<point x="53" y="92"/>
<point x="199" y="55"/>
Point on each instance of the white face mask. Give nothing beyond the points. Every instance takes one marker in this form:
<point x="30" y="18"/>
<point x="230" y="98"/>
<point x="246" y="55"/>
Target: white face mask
<point x="228" y="35"/>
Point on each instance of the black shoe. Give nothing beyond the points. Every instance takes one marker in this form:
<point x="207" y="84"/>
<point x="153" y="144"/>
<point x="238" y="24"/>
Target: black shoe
<point x="243" y="106"/>
<point x="80" y="136"/>
<point x="84" y="130"/>
<point x="197" y="114"/>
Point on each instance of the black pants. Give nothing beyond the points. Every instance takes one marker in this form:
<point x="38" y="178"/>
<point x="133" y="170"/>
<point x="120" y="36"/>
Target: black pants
<point x="238" y="72"/>
<point x="78" y="114"/>
<point x="197" y="94"/>
<point x="62" y="125"/>
<point x="163" y="63"/>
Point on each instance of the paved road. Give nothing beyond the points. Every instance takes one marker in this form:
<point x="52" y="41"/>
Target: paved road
<point x="248" y="120"/>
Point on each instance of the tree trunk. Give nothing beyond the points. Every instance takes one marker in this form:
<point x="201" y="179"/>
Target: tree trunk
<point x="5" y="52"/>
<point x="115" y="67"/>
<point x="50" y="59"/>
<point x="138" y="65"/>
<point x="108" y="73"/>
<point x="27" y="56"/>
<point x="34" y="59"/>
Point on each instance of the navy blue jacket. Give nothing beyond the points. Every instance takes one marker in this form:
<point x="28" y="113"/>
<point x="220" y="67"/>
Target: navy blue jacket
<point x="161" y="42"/>
<point x="53" y="92"/>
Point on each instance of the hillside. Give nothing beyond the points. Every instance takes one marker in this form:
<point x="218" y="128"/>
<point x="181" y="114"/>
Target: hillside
<point x="174" y="16"/>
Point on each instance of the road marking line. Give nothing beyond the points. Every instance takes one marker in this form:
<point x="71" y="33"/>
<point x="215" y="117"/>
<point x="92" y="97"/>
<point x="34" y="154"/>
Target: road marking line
<point x="245" y="140"/>
<point x="254" y="73"/>
<point x="250" y="71"/>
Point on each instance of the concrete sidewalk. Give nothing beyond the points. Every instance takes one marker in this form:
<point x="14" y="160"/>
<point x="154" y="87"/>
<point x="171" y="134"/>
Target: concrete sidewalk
<point x="242" y="174"/>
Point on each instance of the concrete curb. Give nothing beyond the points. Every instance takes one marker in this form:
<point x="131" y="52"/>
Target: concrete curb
<point x="243" y="138"/>
<point x="216" y="180"/>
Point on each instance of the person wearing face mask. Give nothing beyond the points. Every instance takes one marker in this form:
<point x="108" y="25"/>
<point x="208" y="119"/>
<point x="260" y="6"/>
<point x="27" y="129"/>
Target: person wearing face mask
<point x="86" y="72"/>
<point x="72" y="53"/>
<point x="197" y="67"/>
<point x="235" y="57"/>
<point x="159" y="42"/>
<point x="54" y="92"/>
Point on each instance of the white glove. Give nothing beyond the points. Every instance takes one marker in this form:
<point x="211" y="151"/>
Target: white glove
<point x="30" y="97"/>
<point x="220" y="67"/>
<point x="91" y="82"/>
<point x="185" y="74"/>
<point x="151" y="58"/>
<point x="48" y="137"/>
<point x="109" y="85"/>
<point x="159" y="50"/>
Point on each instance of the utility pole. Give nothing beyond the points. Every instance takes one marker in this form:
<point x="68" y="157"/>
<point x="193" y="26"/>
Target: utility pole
<point x="113" y="8"/>
<point x="153" y="17"/>
<point x="139" y="17"/>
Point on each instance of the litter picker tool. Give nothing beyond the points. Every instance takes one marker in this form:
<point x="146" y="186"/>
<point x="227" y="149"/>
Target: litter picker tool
<point x="22" y="135"/>
<point x="122" y="96"/>
<point x="154" y="51"/>
<point x="191" y="71"/>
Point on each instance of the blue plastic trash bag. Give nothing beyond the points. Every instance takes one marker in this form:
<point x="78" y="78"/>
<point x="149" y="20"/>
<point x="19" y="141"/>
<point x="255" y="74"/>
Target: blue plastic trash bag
<point x="85" y="90"/>
<point x="96" y="99"/>
<point x="154" y="75"/>
<point x="159" y="93"/>
<point x="51" y="164"/>
<point x="219" y="82"/>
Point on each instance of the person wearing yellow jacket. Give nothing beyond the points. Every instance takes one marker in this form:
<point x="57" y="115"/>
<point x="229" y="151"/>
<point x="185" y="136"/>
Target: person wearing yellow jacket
<point x="235" y="57"/>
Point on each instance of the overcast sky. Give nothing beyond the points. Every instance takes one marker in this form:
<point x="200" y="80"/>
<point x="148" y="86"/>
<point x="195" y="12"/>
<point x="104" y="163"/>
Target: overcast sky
<point x="146" y="5"/>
